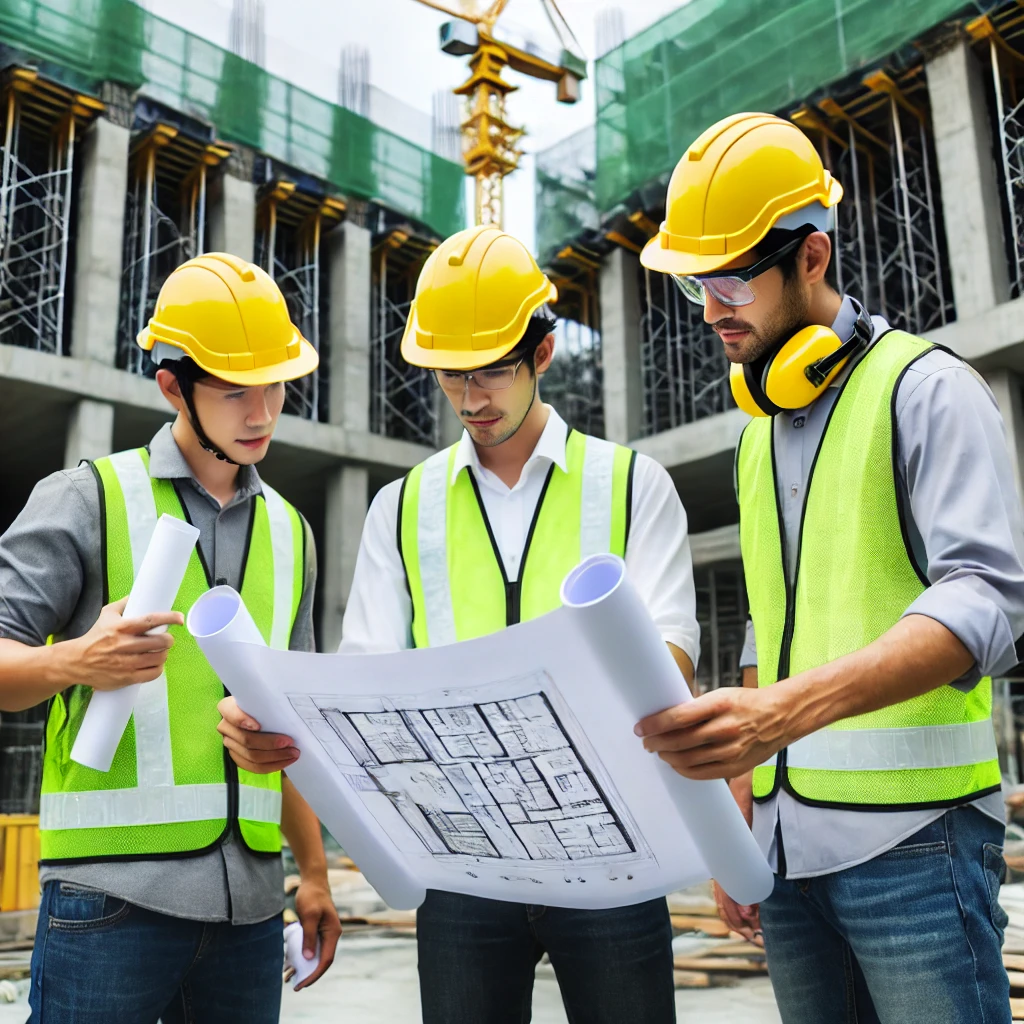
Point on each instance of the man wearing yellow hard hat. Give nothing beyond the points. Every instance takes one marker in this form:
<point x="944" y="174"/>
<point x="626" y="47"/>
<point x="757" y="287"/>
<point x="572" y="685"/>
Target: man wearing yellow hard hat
<point x="880" y="529"/>
<point x="162" y="878"/>
<point x="479" y="537"/>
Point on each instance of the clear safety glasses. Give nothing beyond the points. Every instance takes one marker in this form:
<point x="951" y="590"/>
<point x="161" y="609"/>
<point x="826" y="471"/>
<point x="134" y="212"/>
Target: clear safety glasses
<point x="495" y="378"/>
<point x="732" y="287"/>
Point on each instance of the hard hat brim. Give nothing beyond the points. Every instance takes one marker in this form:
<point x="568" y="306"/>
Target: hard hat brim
<point x="416" y="354"/>
<point x="276" y="373"/>
<point x="669" y="261"/>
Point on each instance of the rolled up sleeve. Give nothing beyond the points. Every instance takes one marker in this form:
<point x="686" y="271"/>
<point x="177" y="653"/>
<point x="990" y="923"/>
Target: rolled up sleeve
<point x="965" y="516"/>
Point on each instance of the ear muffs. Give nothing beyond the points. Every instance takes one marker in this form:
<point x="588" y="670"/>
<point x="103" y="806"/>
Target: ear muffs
<point x="797" y="372"/>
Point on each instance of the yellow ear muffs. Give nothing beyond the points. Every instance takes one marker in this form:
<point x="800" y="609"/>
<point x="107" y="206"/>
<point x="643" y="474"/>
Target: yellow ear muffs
<point x="785" y="381"/>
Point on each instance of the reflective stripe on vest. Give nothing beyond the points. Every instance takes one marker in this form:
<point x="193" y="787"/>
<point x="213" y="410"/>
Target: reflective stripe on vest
<point x="141" y="789"/>
<point x="855" y="578"/>
<point x="456" y="579"/>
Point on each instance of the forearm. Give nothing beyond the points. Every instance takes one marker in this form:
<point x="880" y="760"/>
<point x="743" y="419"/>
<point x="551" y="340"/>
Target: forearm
<point x="31" y="675"/>
<point x="915" y="656"/>
<point x="682" y="659"/>
<point x="301" y="828"/>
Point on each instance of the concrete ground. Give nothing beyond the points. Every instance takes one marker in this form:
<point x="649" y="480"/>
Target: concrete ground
<point x="373" y="981"/>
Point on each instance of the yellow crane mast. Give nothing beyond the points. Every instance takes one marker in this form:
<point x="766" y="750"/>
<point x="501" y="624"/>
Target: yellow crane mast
<point x="490" y="145"/>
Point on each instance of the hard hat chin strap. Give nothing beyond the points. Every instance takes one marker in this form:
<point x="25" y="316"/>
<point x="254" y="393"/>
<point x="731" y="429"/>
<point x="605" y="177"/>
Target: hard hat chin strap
<point x="185" y="386"/>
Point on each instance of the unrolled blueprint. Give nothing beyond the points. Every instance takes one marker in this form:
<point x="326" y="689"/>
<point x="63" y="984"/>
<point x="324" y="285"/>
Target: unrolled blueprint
<point x="503" y="767"/>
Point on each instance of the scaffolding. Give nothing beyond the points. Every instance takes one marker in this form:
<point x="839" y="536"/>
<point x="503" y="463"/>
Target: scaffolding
<point x="41" y="124"/>
<point x="722" y="617"/>
<point x="403" y="399"/>
<point x="291" y="225"/>
<point x="21" y="759"/>
<point x="1001" y="39"/>
<point x="684" y="372"/>
<point x="164" y="224"/>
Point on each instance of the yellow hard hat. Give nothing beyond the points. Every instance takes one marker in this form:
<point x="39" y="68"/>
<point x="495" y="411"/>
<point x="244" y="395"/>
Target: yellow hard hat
<point x="474" y="299"/>
<point x="230" y="317"/>
<point x="745" y="175"/>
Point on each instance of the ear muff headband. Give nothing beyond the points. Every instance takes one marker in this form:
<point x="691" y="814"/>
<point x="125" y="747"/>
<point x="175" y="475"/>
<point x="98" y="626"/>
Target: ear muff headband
<point x="797" y="372"/>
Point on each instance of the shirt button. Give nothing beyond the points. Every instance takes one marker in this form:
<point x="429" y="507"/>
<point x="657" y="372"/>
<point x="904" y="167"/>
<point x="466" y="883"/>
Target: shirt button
<point x="794" y="490"/>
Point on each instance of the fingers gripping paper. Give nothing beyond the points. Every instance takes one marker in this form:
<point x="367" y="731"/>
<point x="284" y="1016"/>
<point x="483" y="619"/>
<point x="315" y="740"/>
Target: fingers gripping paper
<point x="503" y="767"/>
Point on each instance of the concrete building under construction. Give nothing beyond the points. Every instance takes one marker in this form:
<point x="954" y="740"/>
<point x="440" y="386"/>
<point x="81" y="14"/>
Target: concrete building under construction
<point x="917" y="109"/>
<point x="128" y="146"/>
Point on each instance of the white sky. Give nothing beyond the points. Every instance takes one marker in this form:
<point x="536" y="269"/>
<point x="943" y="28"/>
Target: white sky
<point x="305" y="39"/>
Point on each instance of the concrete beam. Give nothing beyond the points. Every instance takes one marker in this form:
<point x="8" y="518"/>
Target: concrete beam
<point x="84" y="378"/>
<point x="231" y="216"/>
<point x="90" y="432"/>
<point x="694" y="442"/>
<point x="348" y="330"/>
<point x="99" y="241"/>
<point x="620" y="346"/>
<point x="713" y="546"/>
<point x="347" y="499"/>
<point x="971" y="200"/>
<point x="994" y="338"/>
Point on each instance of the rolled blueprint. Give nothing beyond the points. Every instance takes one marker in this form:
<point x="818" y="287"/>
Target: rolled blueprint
<point x="599" y="595"/>
<point x="293" y="954"/>
<point x="227" y="635"/>
<point x="155" y="589"/>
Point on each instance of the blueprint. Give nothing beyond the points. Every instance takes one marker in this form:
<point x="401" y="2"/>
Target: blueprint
<point x="505" y="779"/>
<point x="504" y="767"/>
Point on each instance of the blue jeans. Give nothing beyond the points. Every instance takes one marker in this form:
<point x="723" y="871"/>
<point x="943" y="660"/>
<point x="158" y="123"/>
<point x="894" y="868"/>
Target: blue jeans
<point x="911" y="937"/>
<point x="100" y="960"/>
<point x="477" y="959"/>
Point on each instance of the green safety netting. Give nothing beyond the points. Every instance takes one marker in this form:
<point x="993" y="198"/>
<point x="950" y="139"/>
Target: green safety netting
<point x="119" y="41"/>
<point x="660" y="89"/>
<point x="564" y="193"/>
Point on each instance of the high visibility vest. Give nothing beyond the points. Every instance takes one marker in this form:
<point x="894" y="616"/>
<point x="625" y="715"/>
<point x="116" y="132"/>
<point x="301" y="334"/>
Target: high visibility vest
<point x="171" y="789"/>
<point x="855" y="578"/>
<point x="456" y="578"/>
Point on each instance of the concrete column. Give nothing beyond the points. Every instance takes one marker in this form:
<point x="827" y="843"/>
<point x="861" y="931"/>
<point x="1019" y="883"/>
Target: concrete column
<point x="620" y="346"/>
<point x="971" y="198"/>
<point x="346" y="505"/>
<point x="1006" y="386"/>
<point x="90" y="432"/>
<point x="451" y="425"/>
<point x="231" y="216"/>
<point x="348" y="329"/>
<point x="99" y="241"/>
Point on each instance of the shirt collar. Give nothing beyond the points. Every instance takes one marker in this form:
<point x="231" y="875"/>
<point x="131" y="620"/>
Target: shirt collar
<point x="551" y="446"/>
<point x="843" y="325"/>
<point x="166" y="462"/>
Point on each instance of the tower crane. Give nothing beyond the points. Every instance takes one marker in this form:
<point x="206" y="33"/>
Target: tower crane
<point x="490" y="145"/>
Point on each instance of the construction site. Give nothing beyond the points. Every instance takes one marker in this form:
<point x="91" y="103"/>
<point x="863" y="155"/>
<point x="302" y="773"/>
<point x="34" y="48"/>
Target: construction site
<point x="130" y="146"/>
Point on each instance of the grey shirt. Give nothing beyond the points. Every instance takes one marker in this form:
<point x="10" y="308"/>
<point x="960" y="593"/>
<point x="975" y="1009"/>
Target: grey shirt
<point x="965" y="526"/>
<point x="51" y="583"/>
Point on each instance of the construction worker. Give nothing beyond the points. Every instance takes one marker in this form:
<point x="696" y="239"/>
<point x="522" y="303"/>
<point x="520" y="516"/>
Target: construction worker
<point x="478" y="537"/>
<point x="162" y="878"/>
<point x="880" y="529"/>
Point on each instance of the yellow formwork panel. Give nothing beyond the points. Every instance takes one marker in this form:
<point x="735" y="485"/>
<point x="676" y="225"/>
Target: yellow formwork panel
<point x="19" y="861"/>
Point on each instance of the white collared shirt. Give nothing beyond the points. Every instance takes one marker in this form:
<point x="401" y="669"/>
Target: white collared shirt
<point x="378" y="617"/>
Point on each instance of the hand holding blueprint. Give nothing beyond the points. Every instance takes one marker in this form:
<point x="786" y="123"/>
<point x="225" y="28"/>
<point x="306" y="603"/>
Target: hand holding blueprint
<point x="503" y="767"/>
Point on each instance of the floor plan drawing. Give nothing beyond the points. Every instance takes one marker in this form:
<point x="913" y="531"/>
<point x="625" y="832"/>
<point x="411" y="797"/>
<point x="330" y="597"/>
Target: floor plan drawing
<point x="502" y="779"/>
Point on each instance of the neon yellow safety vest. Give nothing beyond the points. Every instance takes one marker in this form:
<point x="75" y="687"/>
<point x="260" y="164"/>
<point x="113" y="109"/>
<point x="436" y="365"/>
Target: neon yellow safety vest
<point x="171" y="788"/>
<point x="456" y="578"/>
<point x="855" y="578"/>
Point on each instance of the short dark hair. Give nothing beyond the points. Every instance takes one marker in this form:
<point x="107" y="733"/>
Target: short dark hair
<point x="777" y="238"/>
<point x="540" y="325"/>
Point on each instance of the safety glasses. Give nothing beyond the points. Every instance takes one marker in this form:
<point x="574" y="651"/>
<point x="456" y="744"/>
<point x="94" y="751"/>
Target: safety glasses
<point x="732" y="287"/>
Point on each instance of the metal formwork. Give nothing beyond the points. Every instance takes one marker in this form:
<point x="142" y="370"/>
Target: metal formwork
<point x="291" y="225"/>
<point x="1001" y="38"/>
<point x="684" y="371"/>
<point x="403" y="398"/>
<point x="165" y="225"/>
<point x="722" y="616"/>
<point x="41" y="124"/>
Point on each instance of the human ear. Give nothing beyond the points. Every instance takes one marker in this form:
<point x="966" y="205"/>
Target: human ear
<point x="169" y="388"/>
<point x="815" y="257"/>
<point x="544" y="354"/>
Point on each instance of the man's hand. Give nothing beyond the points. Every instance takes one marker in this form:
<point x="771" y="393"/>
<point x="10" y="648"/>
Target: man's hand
<point x="318" y="916"/>
<point x="116" y="652"/>
<point x="720" y="734"/>
<point x="744" y="920"/>
<point x="255" y="751"/>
